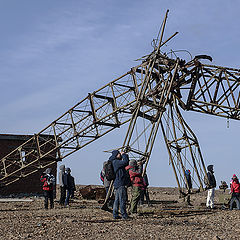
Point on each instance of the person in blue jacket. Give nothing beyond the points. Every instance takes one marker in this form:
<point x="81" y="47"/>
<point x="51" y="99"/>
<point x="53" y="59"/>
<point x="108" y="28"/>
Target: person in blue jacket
<point x="119" y="162"/>
<point x="188" y="186"/>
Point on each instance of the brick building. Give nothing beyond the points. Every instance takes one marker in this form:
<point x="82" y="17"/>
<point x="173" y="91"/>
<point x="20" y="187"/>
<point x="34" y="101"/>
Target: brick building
<point x="30" y="184"/>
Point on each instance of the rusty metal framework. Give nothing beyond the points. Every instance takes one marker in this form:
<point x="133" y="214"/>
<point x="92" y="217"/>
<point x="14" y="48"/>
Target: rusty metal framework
<point x="146" y="98"/>
<point x="183" y="148"/>
<point x="211" y="89"/>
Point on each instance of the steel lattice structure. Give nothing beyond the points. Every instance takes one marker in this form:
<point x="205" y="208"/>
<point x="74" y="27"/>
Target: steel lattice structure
<point x="146" y="98"/>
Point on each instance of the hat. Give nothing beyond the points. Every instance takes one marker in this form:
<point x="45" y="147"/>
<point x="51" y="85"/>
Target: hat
<point x="48" y="171"/>
<point x="115" y="153"/>
<point x="133" y="163"/>
<point x="234" y="176"/>
<point x="62" y="167"/>
<point x="210" y="167"/>
<point x="68" y="170"/>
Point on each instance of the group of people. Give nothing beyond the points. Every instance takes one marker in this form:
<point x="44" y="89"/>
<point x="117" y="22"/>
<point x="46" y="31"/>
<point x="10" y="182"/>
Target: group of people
<point x="66" y="183"/>
<point x="210" y="183"/>
<point x="126" y="173"/>
<point x="125" y="169"/>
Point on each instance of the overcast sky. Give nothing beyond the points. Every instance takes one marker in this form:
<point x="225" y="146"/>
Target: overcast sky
<point x="54" y="52"/>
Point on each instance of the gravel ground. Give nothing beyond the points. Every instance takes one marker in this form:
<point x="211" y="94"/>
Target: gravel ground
<point x="167" y="218"/>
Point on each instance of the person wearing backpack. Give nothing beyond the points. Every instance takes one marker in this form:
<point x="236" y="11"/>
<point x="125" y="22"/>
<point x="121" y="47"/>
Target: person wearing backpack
<point x="119" y="162"/>
<point x="106" y="183"/>
<point x="211" y="184"/>
<point x="135" y="173"/>
<point x="48" y="186"/>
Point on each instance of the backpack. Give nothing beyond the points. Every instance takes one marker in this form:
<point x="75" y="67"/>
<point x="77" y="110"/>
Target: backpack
<point x="206" y="181"/>
<point x="109" y="171"/>
<point x="102" y="177"/>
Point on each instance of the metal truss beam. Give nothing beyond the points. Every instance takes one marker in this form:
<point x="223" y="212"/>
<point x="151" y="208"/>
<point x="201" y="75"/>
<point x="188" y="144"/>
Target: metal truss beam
<point x="212" y="90"/>
<point x="145" y="98"/>
<point x="183" y="149"/>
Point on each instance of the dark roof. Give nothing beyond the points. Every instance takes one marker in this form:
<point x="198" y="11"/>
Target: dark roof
<point x="15" y="137"/>
<point x="20" y="137"/>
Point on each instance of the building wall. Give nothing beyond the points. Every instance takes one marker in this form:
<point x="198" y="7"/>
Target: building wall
<point x="30" y="184"/>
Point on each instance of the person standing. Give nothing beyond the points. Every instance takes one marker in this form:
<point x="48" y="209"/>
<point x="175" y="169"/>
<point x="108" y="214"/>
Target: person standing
<point x="106" y="183"/>
<point x="119" y="162"/>
<point x="61" y="184"/>
<point x="69" y="184"/>
<point x="48" y="186"/>
<point x="211" y="185"/>
<point x="135" y="174"/>
<point x="188" y="185"/>
<point x="235" y="190"/>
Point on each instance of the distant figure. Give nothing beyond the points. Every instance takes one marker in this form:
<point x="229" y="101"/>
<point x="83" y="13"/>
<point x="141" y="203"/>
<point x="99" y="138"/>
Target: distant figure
<point x="224" y="186"/>
<point x="211" y="187"/>
<point x="69" y="184"/>
<point x="137" y="184"/>
<point x="61" y="184"/>
<point x="235" y="190"/>
<point x="48" y="185"/>
<point x="189" y="179"/>
<point x="119" y="162"/>
<point x="188" y="185"/>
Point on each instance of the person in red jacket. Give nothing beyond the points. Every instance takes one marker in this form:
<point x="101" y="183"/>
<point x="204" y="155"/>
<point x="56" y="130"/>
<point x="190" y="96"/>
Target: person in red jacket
<point x="48" y="186"/>
<point x="235" y="186"/>
<point x="137" y="183"/>
<point x="235" y="190"/>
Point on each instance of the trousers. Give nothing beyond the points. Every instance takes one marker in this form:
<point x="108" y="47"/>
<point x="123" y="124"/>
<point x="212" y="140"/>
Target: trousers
<point x="136" y="193"/>
<point x="120" y="200"/>
<point x="210" y="198"/>
<point x="62" y="195"/>
<point x="48" y="195"/>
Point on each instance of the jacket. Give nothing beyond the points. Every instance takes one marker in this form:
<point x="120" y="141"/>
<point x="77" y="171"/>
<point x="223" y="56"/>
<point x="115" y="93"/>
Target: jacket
<point x="189" y="179"/>
<point x="48" y="182"/>
<point x="119" y="169"/>
<point x="211" y="179"/>
<point x="235" y="186"/>
<point x="135" y="176"/>
<point x="69" y="182"/>
<point x="61" y="174"/>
